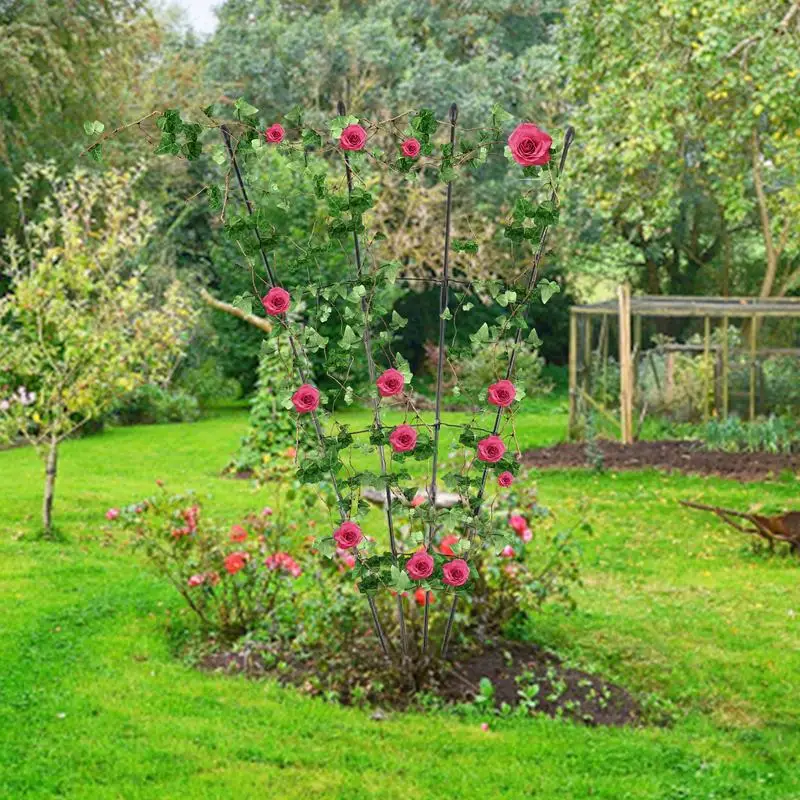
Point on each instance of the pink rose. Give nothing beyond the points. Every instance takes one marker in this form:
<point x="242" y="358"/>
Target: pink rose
<point x="235" y="561"/>
<point x="505" y="479"/>
<point x="196" y="580"/>
<point x="491" y="449"/>
<point x="501" y="394"/>
<point x="456" y="572"/>
<point x="518" y="523"/>
<point x="390" y="383"/>
<point x="306" y="399"/>
<point x="283" y="562"/>
<point x="274" y="133"/>
<point x="238" y="534"/>
<point x="403" y="438"/>
<point x="353" y="137"/>
<point x="445" y="546"/>
<point x="190" y="516"/>
<point x="529" y="145"/>
<point x="484" y="726"/>
<point x="266" y="511"/>
<point x="420" y="566"/>
<point x="410" y="148"/>
<point x="112" y="514"/>
<point x="526" y="535"/>
<point x="507" y="552"/>
<point x="276" y="301"/>
<point x="418" y="500"/>
<point x="348" y="535"/>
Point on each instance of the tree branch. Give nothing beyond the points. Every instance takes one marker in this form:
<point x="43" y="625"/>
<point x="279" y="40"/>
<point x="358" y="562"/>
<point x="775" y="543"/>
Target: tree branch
<point x="259" y="322"/>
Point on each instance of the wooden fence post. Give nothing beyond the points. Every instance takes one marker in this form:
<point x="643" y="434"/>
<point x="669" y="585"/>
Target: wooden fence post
<point x="573" y="373"/>
<point x="725" y="368"/>
<point x="753" y="339"/>
<point x="625" y="366"/>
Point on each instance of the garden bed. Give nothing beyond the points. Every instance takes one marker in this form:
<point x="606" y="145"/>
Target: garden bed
<point x="517" y="673"/>
<point x="688" y="457"/>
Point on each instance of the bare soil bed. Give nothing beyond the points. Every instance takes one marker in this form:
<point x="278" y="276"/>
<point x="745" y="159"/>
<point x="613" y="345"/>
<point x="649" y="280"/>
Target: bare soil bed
<point x="362" y="675"/>
<point x="671" y="455"/>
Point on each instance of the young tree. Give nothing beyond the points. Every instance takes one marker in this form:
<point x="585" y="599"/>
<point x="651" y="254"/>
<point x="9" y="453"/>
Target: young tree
<point x="78" y="328"/>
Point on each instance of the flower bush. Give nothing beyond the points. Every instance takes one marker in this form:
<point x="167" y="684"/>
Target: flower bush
<point x="418" y="148"/>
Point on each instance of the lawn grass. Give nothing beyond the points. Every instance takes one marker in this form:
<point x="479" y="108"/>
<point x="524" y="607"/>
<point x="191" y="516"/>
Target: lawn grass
<point x="93" y="704"/>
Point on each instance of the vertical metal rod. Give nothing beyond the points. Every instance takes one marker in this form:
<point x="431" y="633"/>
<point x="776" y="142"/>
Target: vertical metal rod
<point x="437" y="425"/>
<point x="569" y="136"/>
<point x="297" y="357"/>
<point x="367" y="339"/>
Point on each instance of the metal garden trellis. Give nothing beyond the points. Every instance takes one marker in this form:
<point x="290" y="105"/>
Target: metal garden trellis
<point x="444" y="281"/>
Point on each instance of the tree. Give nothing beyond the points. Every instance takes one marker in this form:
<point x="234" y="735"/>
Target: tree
<point x="689" y="153"/>
<point x="78" y="328"/>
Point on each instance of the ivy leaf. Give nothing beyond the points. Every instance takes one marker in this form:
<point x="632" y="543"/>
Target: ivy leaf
<point x="244" y="109"/>
<point x="243" y="302"/>
<point x="464" y="246"/>
<point x="403" y="367"/>
<point x="447" y="314"/>
<point x="348" y="395"/>
<point x="400" y="581"/>
<point x="93" y="128"/>
<point x="506" y="297"/>
<point x="547" y="289"/>
<point x="499" y="116"/>
<point x="481" y="336"/>
<point x="398" y="321"/>
<point x="349" y="338"/>
<point x="533" y="338"/>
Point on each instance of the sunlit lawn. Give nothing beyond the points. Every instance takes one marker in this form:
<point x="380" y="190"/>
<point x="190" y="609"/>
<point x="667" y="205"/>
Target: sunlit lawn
<point x="93" y="704"/>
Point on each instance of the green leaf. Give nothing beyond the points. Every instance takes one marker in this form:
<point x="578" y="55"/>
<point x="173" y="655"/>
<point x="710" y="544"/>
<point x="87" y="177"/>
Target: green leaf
<point x="93" y="128"/>
<point x="481" y="336"/>
<point x="243" y="302"/>
<point x="244" y="108"/>
<point x="403" y="367"/>
<point x="547" y="289"/>
<point x="349" y="338"/>
<point x="398" y="321"/>
<point x="533" y="338"/>
<point x="447" y="314"/>
<point x="464" y="246"/>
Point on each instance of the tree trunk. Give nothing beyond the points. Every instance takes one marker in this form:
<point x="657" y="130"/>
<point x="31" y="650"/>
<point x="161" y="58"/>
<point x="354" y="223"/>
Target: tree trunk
<point x="50" y="486"/>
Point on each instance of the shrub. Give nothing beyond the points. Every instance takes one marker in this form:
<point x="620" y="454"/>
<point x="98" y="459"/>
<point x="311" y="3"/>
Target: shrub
<point x="151" y="405"/>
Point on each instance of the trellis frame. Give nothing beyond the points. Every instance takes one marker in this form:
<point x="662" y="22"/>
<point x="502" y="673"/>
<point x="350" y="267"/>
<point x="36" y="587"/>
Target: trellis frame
<point x="627" y="308"/>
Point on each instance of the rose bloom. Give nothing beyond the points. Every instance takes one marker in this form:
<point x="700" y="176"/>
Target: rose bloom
<point x="291" y="452"/>
<point x="306" y="399"/>
<point x="501" y="394"/>
<point x="418" y="500"/>
<point x="507" y="552"/>
<point x="491" y="449"/>
<point x="526" y="535"/>
<point x="190" y="516"/>
<point x="348" y="558"/>
<point x="266" y="511"/>
<point x="390" y="383"/>
<point x="112" y="513"/>
<point x="456" y="572"/>
<point x="212" y="577"/>
<point x="196" y="580"/>
<point x="419" y="597"/>
<point x="420" y="566"/>
<point x="238" y="533"/>
<point x="505" y="479"/>
<point x="529" y="145"/>
<point x="276" y="301"/>
<point x="178" y="532"/>
<point x="445" y="546"/>
<point x="353" y="137"/>
<point x="274" y="133"/>
<point x="518" y="523"/>
<point x="235" y="561"/>
<point x="410" y="148"/>
<point x="403" y="438"/>
<point x="348" y="535"/>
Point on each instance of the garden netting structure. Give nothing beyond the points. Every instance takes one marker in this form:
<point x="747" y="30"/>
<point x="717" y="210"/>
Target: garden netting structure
<point x="742" y="355"/>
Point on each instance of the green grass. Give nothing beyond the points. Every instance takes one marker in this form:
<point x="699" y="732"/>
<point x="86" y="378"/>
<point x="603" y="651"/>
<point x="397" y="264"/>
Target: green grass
<point x="94" y="705"/>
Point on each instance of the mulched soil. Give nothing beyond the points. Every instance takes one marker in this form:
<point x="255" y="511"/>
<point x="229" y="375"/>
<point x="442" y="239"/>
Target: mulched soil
<point x="674" y="456"/>
<point x="563" y="691"/>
